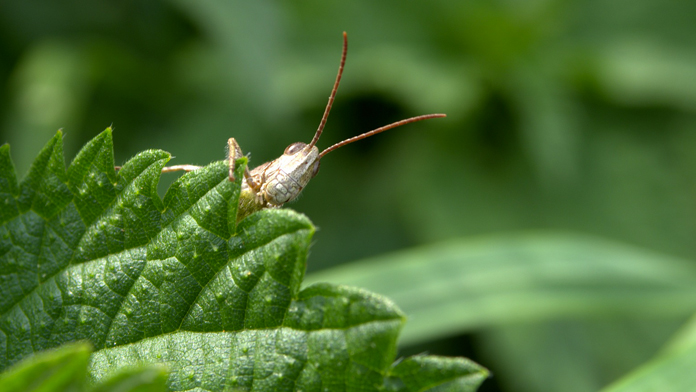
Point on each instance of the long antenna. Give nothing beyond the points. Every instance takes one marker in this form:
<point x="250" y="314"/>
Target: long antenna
<point x="380" y="129"/>
<point x="333" y="93"/>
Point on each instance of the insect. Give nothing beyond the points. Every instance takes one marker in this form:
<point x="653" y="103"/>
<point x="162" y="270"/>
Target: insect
<point x="277" y="182"/>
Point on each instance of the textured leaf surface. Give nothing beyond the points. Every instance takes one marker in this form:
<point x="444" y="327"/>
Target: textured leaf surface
<point x="90" y="254"/>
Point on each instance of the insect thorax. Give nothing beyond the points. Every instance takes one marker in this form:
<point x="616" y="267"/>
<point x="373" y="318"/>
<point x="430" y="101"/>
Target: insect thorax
<point x="283" y="179"/>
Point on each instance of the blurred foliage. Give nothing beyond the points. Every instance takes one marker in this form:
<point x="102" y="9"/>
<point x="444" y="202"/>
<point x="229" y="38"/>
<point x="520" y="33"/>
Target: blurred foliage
<point x="65" y="369"/>
<point x="562" y="114"/>
<point x="557" y="312"/>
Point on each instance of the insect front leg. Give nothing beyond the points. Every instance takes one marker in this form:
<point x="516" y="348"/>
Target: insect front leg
<point x="169" y="169"/>
<point x="234" y="151"/>
<point x="186" y="168"/>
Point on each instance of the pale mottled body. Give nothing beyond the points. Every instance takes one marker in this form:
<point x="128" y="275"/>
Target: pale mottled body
<point x="277" y="182"/>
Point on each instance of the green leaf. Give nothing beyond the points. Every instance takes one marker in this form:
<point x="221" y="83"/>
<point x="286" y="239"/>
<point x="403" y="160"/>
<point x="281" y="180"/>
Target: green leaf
<point x="65" y="369"/>
<point x="139" y="379"/>
<point x="8" y="186"/>
<point x="673" y="373"/>
<point x="426" y="372"/>
<point x="672" y="370"/>
<point x="91" y="254"/>
<point x="500" y="280"/>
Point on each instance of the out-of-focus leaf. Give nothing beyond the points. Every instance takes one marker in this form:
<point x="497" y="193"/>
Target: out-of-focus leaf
<point x="571" y="354"/>
<point x="146" y="378"/>
<point x="683" y="340"/>
<point x="640" y="73"/>
<point x="674" y="373"/>
<point x="467" y="284"/>
<point x="672" y="370"/>
<point x="433" y="373"/>
<point x="63" y="369"/>
<point x="48" y="91"/>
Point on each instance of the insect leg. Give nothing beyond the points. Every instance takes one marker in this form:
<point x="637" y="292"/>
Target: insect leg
<point x="168" y="169"/>
<point x="186" y="168"/>
<point x="234" y="152"/>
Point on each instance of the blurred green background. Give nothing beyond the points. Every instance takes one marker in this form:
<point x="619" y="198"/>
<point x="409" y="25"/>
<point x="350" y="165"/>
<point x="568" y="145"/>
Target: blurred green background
<point x="563" y="116"/>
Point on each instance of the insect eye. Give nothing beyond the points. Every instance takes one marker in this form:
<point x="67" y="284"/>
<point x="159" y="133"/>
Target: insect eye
<point x="294" y="148"/>
<point x="315" y="168"/>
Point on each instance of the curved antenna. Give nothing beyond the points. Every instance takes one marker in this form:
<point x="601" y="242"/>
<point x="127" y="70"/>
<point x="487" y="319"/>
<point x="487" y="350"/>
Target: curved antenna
<point x="380" y="129"/>
<point x="333" y="93"/>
